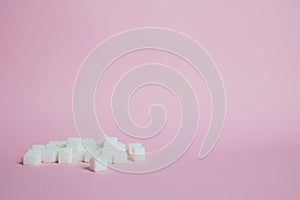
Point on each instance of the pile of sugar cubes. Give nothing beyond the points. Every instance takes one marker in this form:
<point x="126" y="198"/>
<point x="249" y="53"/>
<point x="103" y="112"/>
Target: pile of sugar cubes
<point x="107" y="150"/>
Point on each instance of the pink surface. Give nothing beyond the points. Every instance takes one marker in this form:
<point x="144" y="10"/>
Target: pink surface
<point x="254" y="43"/>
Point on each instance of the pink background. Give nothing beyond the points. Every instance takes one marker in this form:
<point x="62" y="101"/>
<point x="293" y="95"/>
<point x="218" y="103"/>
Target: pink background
<point x="256" y="46"/>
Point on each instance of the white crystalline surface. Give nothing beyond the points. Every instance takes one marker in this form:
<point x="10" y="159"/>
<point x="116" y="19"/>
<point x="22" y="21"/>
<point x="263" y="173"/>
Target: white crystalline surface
<point x="108" y="149"/>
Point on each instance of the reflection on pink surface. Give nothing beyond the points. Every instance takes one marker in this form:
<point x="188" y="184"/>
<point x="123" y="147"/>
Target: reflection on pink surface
<point x="255" y="44"/>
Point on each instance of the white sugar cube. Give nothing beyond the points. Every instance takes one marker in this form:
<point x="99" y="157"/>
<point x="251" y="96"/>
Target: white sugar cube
<point x="96" y="165"/>
<point x="108" y="155"/>
<point x="87" y="156"/>
<point x="90" y="153"/>
<point x="112" y="139"/>
<point x="65" y="155"/>
<point x="53" y="143"/>
<point x="32" y="158"/>
<point x="78" y="155"/>
<point x="114" y="145"/>
<point x="58" y="144"/>
<point x="132" y="145"/>
<point x="89" y="142"/>
<point x="110" y="142"/>
<point x="38" y="147"/>
<point x="34" y="150"/>
<point x="62" y="144"/>
<point x="138" y="154"/>
<point x="49" y="156"/>
<point x="101" y="141"/>
<point x="74" y="143"/>
<point x="120" y="157"/>
<point x="52" y="147"/>
<point x="120" y="147"/>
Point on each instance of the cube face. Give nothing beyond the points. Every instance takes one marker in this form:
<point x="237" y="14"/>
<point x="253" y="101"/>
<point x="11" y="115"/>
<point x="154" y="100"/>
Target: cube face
<point x="138" y="154"/>
<point x="120" y="157"/>
<point x="101" y="142"/>
<point x="38" y="147"/>
<point x="97" y="166"/>
<point x="78" y="156"/>
<point x="138" y="150"/>
<point x="65" y="155"/>
<point x="52" y="148"/>
<point x="121" y="147"/>
<point x="62" y="144"/>
<point x="53" y="143"/>
<point x="105" y="158"/>
<point x="49" y="156"/>
<point x="91" y="146"/>
<point x="32" y="158"/>
<point x="90" y="143"/>
<point x="132" y="145"/>
<point x="111" y="139"/>
<point x="138" y="157"/>
<point x="57" y="144"/>
<point x="108" y="140"/>
<point x="107" y="155"/>
<point x="89" y="154"/>
<point x="110" y="144"/>
<point x="87" y="157"/>
<point x="74" y="143"/>
<point x="114" y="146"/>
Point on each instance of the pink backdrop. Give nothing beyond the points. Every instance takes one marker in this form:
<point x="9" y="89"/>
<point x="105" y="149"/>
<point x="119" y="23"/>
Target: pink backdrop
<point x="254" y="43"/>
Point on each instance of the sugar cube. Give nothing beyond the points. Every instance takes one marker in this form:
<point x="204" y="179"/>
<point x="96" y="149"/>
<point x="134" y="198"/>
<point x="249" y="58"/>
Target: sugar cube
<point x="110" y="143"/>
<point x="53" y="143"/>
<point x="132" y="145"/>
<point x="138" y="154"/>
<point x="62" y="144"/>
<point x="89" y="154"/>
<point x="74" y="143"/>
<point x="65" y="155"/>
<point x="78" y="155"/>
<point x="108" y="155"/>
<point x="89" y="143"/>
<point x="101" y="142"/>
<point x="32" y="158"/>
<point x="49" y="156"/>
<point x="120" y="157"/>
<point x="52" y="148"/>
<point x="38" y="147"/>
<point x="96" y="165"/>
<point x="120" y="147"/>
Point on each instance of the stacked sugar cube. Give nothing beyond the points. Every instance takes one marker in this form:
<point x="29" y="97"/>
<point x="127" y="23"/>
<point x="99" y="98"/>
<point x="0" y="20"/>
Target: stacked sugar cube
<point x="107" y="150"/>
